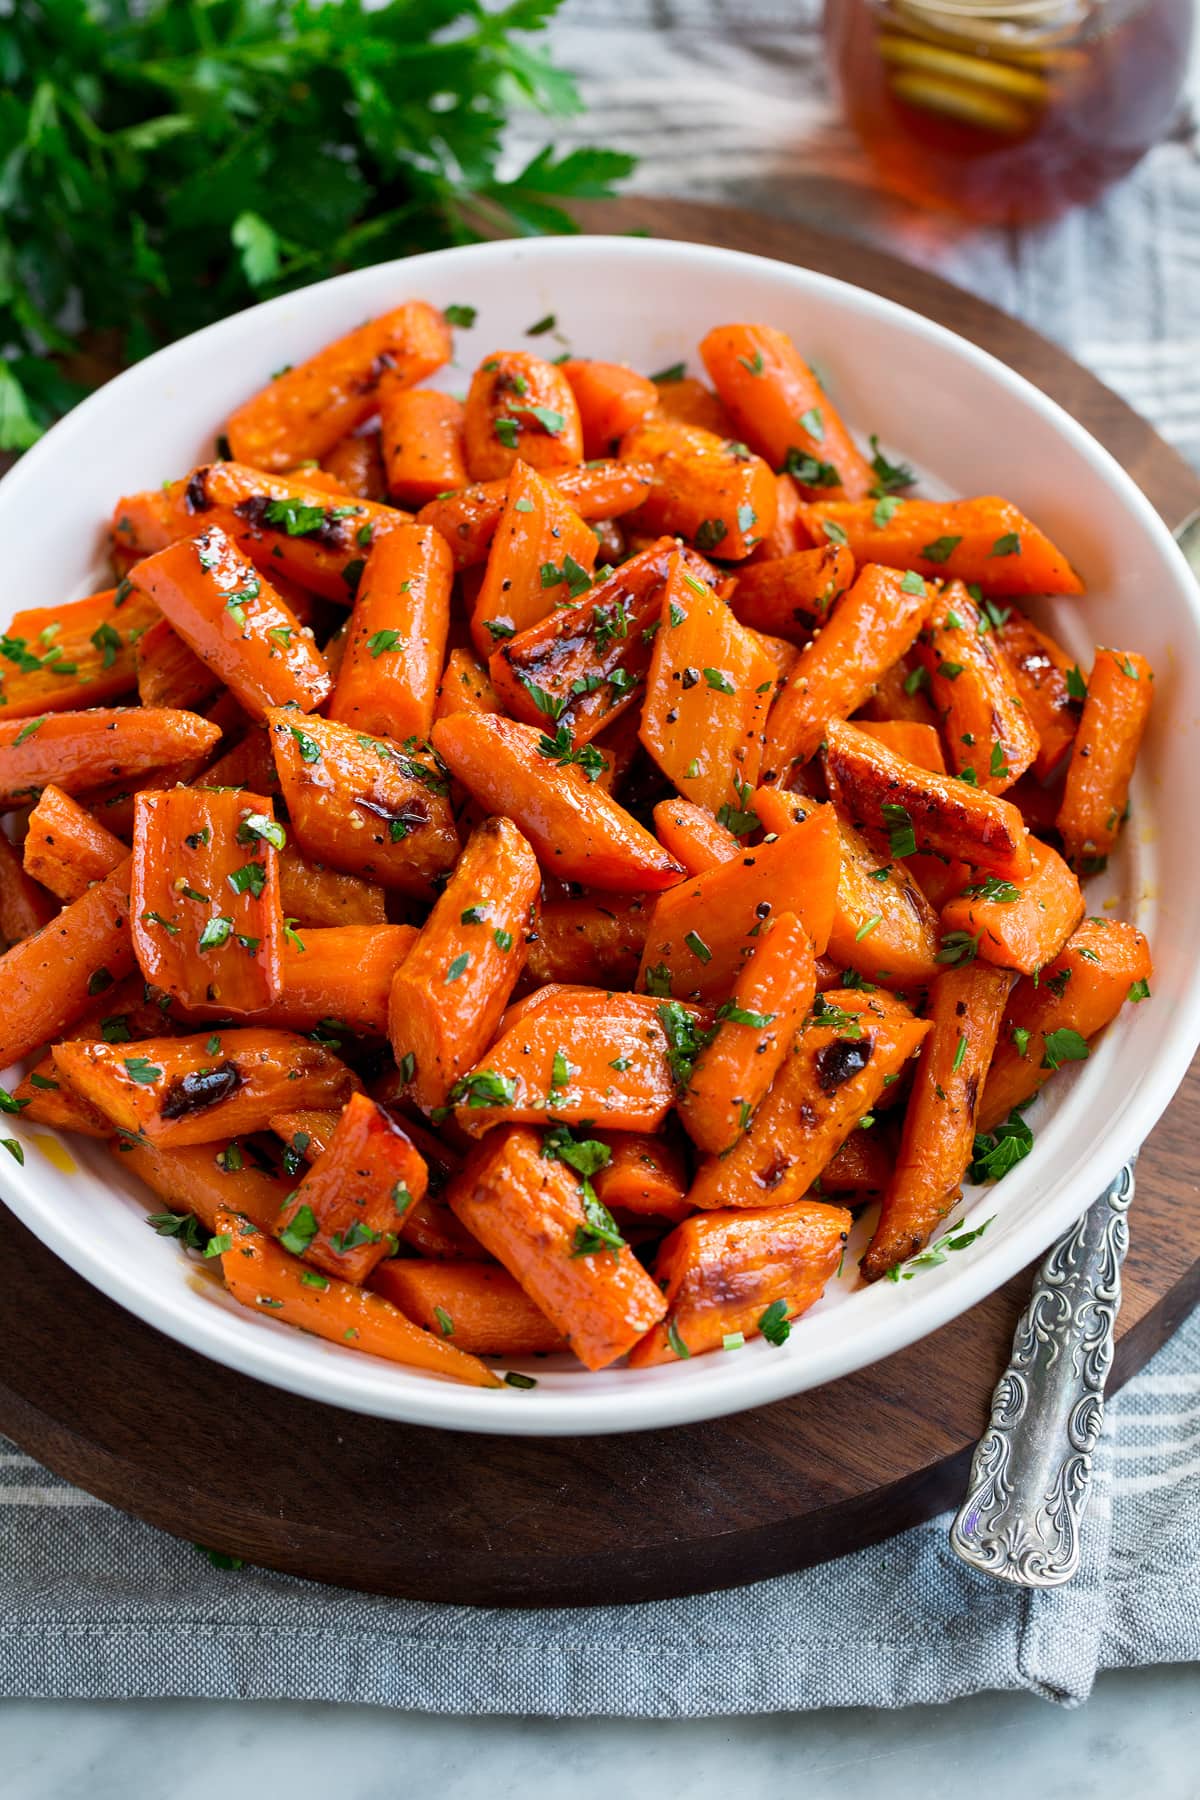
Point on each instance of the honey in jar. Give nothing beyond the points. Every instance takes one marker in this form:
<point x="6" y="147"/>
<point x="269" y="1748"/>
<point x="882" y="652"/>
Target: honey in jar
<point x="1012" y="113"/>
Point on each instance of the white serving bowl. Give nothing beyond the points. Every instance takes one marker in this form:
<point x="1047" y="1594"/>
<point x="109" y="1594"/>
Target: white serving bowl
<point x="971" y="426"/>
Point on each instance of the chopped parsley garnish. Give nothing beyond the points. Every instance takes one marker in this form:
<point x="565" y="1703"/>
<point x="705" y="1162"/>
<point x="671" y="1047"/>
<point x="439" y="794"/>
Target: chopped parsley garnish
<point x="998" y="1151"/>
<point x="902" y="839"/>
<point x="484" y="1088"/>
<point x="775" y="1324"/>
<point x="1061" y="1046"/>
<point x="380" y="642"/>
<point x="889" y="476"/>
<point x="940" y="549"/>
<point x="958" y="947"/>
<point x="936" y="1255"/>
<point x="1007" y="545"/>
<point x="310" y="752"/>
<point x="709" y="533"/>
<point x="216" y="932"/>
<point x="142" y="1070"/>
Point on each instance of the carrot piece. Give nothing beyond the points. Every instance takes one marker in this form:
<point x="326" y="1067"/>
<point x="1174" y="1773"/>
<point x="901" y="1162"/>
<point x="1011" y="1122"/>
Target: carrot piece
<point x="705" y="488"/>
<point x="915" y="742"/>
<point x="612" y="398"/>
<point x="169" y="673"/>
<point x="577" y="831"/>
<point x="849" y="1046"/>
<point x="861" y="1167"/>
<point x="206" y="1180"/>
<point x="560" y="1059"/>
<point x="388" y="680"/>
<point x="692" y="836"/>
<point x="966" y="1006"/>
<point x="57" y="658"/>
<point x="468" y="520"/>
<point x="538" y="1218"/>
<point x="686" y="399"/>
<point x="477" y="1306"/>
<point x="644" y="1175"/>
<point x="24" y="906"/>
<point x="1053" y="1015"/>
<point x="703" y="929"/>
<point x="542" y="556"/>
<point x="1111" y="727"/>
<point x="356" y="460"/>
<point x="1037" y="805"/>
<point x="783" y="655"/>
<point x="179" y="1091"/>
<point x="754" y="1031"/>
<point x="900" y="694"/>
<point x="363" y="805"/>
<point x="1041" y="670"/>
<point x="122" y="1010"/>
<point x="780" y="408"/>
<point x="520" y="407"/>
<point x="940" y="813"/>
<point x="589" y="940"/>
<point x="787" y="594"/>
<point x="303" y="411"/>
<point x="618" y="745"/>
<point x="76" y="750"/>
<point x="987" y="541"/>
<point x="311" y="894"/>
<point x="448" y="995"/>
<point x="465" y="686"/>
<point x="1020" y="925"/>
<point x="990" y="736"/>
<point x="335" y="977"/>
<point x="707" y="695"/>
<point x="247" y="763"/>
<point x="47" y="979"/>
<point x="730" y="1276"/>
<point x="422" y="435"/>
<point x="265" y="1278"/>
<point x="873" y="624"/>
<point x="789" y="534"/>
<point x="347" y="1210"/>
<point x="235" y="622"/>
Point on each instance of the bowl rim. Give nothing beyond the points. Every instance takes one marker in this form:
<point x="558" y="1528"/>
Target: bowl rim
<point x="262" y="1347"/>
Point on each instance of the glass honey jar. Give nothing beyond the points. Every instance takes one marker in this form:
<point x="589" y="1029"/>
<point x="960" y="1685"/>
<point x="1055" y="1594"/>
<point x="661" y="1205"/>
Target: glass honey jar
<point x="1008" y="113"/>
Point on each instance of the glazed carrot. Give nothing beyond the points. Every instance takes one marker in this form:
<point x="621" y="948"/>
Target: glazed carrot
<point x="57" y="658"/>
<point x="704" y="928"/>
<point x="850" y="1045"/>
<point x="179" y="1091"/>
<point x="1052" y="1016"/>
<point x="304" y="410"/>
<point x="169" y="673"/>
<point x="24" y="906"/>
<point x="1111" y="727"/>
<point x="65" y="848"/>
<point x="789" y="533"/>
<point x="706" y="489"/>
<point x="915" y="742"/>
<point x="337" y="978"/>
<point x="235" y="622"/>
<point x="206" y="1180"/>
<point x="311" y="894"/>
<point x="246" y="763"/>
<point x="75" y="750"/>
<point x="477" y="1307"/>
<point x="966" y="1006"/>
<point x="465" y="686"/>
<point x="754" y="1031"/>
<point x="468" y="520"/>
<point x="541" y="556"/>
<point x="901" y="693"/>
<point x="686" y="399"/>
<point x="121" y="1010"/>
<point x="882" y="790"/>
<point x="536" y="1216"/>
<point x="787" y="594"/>
<point x="422" y="437"/>
<point x="47" y="979"/>
<point x="593" y="940"/>
<point x="577" y="832"/>
<point x="1020" y="925"/>
<point x="692" y="836"/>
<point x="987" y="541"/>
<point x="707" y="694"/>
<point x="388" y="680"/>
<point x="861" y="1167"/>
<point x="362" y="804"/>
<point x="875" y="622"/>
<point x="448" y="995"/>
<point x="1042" y="671"/>
<point x="731" y="1276"/>
<point x="348" y="1209"/>
<point x="520" y="407"/>
<point x="612" y="398"/>
<point x="989" y="733"/>
<point x="356" y="461"/>
<point x="780" y="408"/>
<point x="644" y="1175"/>
<point x="559" y="1062"/>
<point x="783" y="654"/>
<point x="266" y="1279"/>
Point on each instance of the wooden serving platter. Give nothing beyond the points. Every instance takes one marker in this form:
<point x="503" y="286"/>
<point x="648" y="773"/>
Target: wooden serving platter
<point x="220" y="1459"/>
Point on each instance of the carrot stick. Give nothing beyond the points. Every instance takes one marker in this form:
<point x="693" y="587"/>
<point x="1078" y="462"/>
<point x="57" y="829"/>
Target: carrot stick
<point x="520" y="407"/>
<point x="477" y="1307"/>
<point x="705" y="489"/>
<point x="900" y="693"/>
<point x="686" y="399"/>
<point x="311" y="894"/>
<point x="644" y="1175"/>
<point x="356" y="460"/>
<point x="590" y="940"/>
<point x="973" y="687"/>
<point x="468" y="520"/>
<point x="334" y="978"/>
<point x="24" y="907"/>
<point x="987" y="541"/>
<point x="1042" y="671"/>
<point x="78" y="750"/>
<point x="861" y="1167"/>
<point x="58" y="658"/>
<point x="66" y="849"/>
<point x="541" y="557"/>
<point x="206" y="1180"/>
<point x="422" y="433"/>
<point x="1020" y="925"/>
<point x="1111" y="727"/>
<point x="611" y="398"/>
<point x="692" y="836"/>
<point x="465" y="686"/>
<point x="47" y="979"/>
<point x="788" y="594"/>
<point x="388" y="680"/>
<point x="915" y="742"/>
<point x="169" y="673"/>
<point x="346" y="1213"/>
<point x="789" y="534"/>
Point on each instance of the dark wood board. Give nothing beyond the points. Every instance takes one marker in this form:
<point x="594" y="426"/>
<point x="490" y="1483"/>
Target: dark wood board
<point x="221" y="1459"/>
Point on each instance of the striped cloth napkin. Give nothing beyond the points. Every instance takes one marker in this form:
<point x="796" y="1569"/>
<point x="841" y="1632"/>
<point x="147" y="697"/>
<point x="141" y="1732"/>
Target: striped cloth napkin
<point x="721" y="99"/>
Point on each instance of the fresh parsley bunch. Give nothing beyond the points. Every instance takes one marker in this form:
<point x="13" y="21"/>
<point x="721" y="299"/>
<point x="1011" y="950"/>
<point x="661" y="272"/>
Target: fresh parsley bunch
<point x="164" y="162"/>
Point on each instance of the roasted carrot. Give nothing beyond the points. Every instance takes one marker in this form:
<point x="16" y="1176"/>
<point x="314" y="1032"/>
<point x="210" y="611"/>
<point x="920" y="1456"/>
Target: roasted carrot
<point x="539" y="1218"/>
<point x="541" y="556"/>
<point x="468" y="520"/>
<point x="520" y="407"/>
<point x="266" y="1279"/>
<point x="789" y="533"/>
<point x="169" y="673"/>
<point x="362" y="804"/>
<point x="1111" y="727"/>
<point x="348" y="1209"/>
<point x="788" y="594"/>
<point x="915" y="742"/>
<point x="311" y="894"/>
<point x="57" y="658"/>
<point x="849" y="1047"/>
<point x="78" y="750"/>
<point x="686" y="399"/>
<point x="304" y="410"/>
<point x="206" y="1180"/>
<point x="478" y="1307"/>
<point x="1043" y="672"/>
<point x="861" y="1167"/>
<point x="987" y="541"/>
<point x="356" y="461"/>
<point x="66" y="849"/>
<point x="1019" y="925"/>
<point x="966" y="1006"/>
<point x="988" y="732"/>
<point x="121" y="1010"/>
<point x="448" y="995"/>
<point x="731" y="1276"/>
<point x="24" y="906"/>
<point x="593" y="940"/>
<point x="465" y="686"/>
<point x="47" y="979"/>
<point x="388" y="680"/>
<point x="422" y="437"/>
<point x="693" y="836"/>
<point x="335" y="978"/>
<point x="644" y="1176"/>
<point x="706" y="489"/>
<point x="246" y="763"/>
<point x="577" y="831"/>
<point x="901" y="693"/>
<point x="611" y="398"/>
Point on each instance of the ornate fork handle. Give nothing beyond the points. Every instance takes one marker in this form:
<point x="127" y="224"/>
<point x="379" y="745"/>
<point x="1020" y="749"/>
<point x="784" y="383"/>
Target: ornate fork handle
<point x="1031" y="1474"/>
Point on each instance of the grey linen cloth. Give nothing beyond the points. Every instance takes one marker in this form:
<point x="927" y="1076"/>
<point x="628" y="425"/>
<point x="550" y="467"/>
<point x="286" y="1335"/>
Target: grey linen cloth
<point x="721" y="100"/>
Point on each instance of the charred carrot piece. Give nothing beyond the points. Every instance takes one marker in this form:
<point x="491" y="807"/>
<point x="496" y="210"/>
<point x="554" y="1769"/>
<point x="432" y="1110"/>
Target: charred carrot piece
<point x="520" y="407"/>
<point x="356" y="460"/>
<point x="985" y="724"/>
<point x="592" y="940"/>
<point x="448" y="995"/>
<point x="611" y="398"/>
<point x="422" y="436"/>
<point x="851" y="1043"/>
<point x="987" y="541"/>
<point x="861" y="1167"/>
<point x="536" y="1215"/>
<point x="362" y="804"/>
<point x="65" y="848"/>
<point x="388" y="680"/>
<point x="693" y="836"/>
<point x="1019" y="925"/>
<point x="207" y="1180"/>
<point x="266" y="1279"/>
<point x="914" y="741"/>
<point x="685" y="398"/>
<point x="645" y="1175"/>
<point x="706" y="489"/>
<point x="303" y="412"/>
<point x="169" y="673"/>
<point x="477" y="1307"/>
<point x="311" y="894"/>
<point x="788" y="594"/>
<point x="347" y="1211"/>
<point x="57" y="658"/>
<point x="465" y="686"/>
<point x="965" y="1009"/>
<point x="24" y="906"/>
<point x="577" y="831"/>
<point x="732" y="1276"/>
<point x="1043" y="673"/>
<point x="541" y="556"/>
<point x="1111" y="726"/>
<point x="48" y="979"/>
<point x="78" y="750"/>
